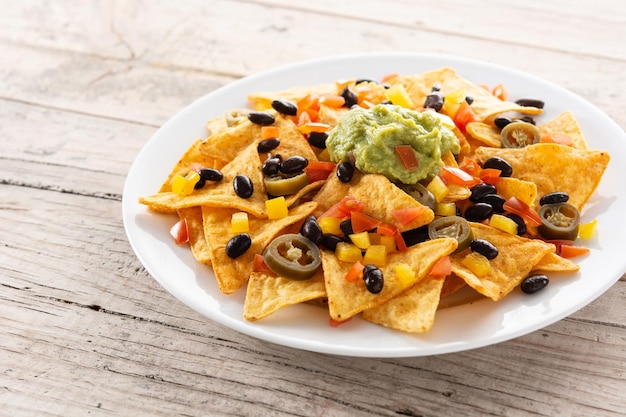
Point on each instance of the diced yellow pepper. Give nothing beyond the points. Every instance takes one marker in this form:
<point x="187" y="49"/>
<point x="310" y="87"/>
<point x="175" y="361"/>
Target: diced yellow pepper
<point x="185" y="185"/>
<point x="389" y="242"/>
<point x="374" y="238"/>
<point x="452" y="101"/>
<point x="405" y="273"/>
<point x="397" y="95"/>
<point x="330" y="225"/>
<point x="361" y="240"/>
<point x="503" y="223"/>
<point x="438" y="188"/>
<point x="239" y="222"/>
<point x="276" y="208"/>
<point x="445" y="209"/>
<point x="588" y="230"/>
<point x="348" y="252"/>
<point x="375" y="255"/>
<point x="477" y="263"/>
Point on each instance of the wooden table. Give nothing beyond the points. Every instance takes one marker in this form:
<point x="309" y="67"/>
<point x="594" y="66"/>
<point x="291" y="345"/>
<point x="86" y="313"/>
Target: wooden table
<point x="86" y="331"/>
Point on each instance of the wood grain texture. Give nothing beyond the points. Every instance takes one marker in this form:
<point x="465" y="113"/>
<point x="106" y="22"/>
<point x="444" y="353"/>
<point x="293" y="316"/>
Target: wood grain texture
<point x="84" y="330"/>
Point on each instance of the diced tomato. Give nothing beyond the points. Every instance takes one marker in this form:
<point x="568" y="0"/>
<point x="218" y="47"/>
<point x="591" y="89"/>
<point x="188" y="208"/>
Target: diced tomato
<point x="388" y="77"/>
<point x="406" y="153"/>
<point x="517" y="206"/>
<point x="332" y="100"/>
<point x="442" y="268"/>
<point x="558" y="138"/>
<point x="362" y="222"/>
<point x="400" y="243"/>
<point x="311" y="127"/>
<point x="463" y="116"/>
<point x="406" y="215"/>
<point x="259" y="265"/>
<point x="269" y="132"/>
<point x="500" y="92"/>
<point x="355" y="273"/>
<point x="319" y="170"/>
<point x="180" y="232"/>
<point x="570" y="251"/>
<point x="344" y="207"/>
<point x="490" y="175"/>
<point x="335" y="323"/>
<point x="386" y="229"/>
<point x="470" y="166"/>
<point x="452" y="175"/>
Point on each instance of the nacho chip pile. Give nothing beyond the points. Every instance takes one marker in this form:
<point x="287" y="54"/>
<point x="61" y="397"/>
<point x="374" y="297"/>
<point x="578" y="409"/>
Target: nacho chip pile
<point x="377" y="259"/>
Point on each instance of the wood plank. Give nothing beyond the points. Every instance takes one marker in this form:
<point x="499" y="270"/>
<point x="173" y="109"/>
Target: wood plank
<point x="93" y="332"/>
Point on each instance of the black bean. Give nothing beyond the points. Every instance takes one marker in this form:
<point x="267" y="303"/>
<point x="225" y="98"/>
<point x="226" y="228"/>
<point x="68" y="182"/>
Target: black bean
<point x="285" y="107"/>
<point x="521" y="224"/>
<point x="211" y="174"/>
<point x="485" y="248"/>
<point x="238" y="245"/>
<point x="415" y="236"/>
<point x="494" y="200"/>
<point x="346" y="227"/>
<point x="364" y="80"/>
<point x="312" y="230"/>
<point x="373" y="278"/>
<point x="261" y="118"/>
<point x="201" y="183"/>
<point x="530" y="102"/>
<point x="243" y="186"/>
<point x="271" y="166"/>
<point x="329" y="241"/>
<point x="267" y="145"/>
<point x="502" y="121"/>
<point x="345" y="171"/>
<point x="349" y="96"/>
<point x="318" y="139"/>
<point x="527" y="119"/>
<point x="480" y="190"/>
<point x="534" y="283"/>
<point x="434" y="101"/>
<point x="495" y="162"/>
<point x="478" y="212"/>
<point x="469" y="100"/>
<point x="554" y="198"/>
<point x="293" y="164"/>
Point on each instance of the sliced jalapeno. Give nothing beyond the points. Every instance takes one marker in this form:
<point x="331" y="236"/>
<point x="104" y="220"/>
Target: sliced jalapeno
<point x="292" y="256"/>
<point x="452" y="226"/>
<point x="519" y="134"/>
<point x="559" y="221"/>
<point x="278" y="185"/>
<point x="421" y="194"/>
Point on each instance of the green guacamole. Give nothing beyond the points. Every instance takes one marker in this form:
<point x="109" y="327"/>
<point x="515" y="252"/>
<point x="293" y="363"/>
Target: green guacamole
<point x="369" y="137"/>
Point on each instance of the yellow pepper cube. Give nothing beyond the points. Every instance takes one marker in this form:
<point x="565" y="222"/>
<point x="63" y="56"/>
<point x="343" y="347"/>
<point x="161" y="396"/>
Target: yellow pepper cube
<point x="452" y="101"/>
<point x="397" y="95"/>
<point x="438" y="188"/>
<point x="503" y="223"/>
<point x="477" y="263"/>
<point x="348" y="252"/>
<point x="389" y="242"/>
<point x="445" y="209"/>
<point x="361" y="240"/>
<point x="588" y="230"/>
<point x="276" y="208"/>
<point x="375" y="255"/>
<point x="239" y="222"/>
<point x="405" y="274"/>
<point x="185" y="185"/>
<point x="330" y="225"/>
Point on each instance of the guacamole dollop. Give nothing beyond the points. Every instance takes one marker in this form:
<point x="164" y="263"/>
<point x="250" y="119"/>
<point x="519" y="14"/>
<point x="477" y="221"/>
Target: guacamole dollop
<point x="368" y="137"/>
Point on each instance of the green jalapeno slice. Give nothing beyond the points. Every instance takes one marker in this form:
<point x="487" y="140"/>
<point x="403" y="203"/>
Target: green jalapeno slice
<point x="559" y="221"/>
<point x="277" y="185"/>
<point x="292" y="256"/>
<point x="519" y="134"/>
<point x="452" y="226"/>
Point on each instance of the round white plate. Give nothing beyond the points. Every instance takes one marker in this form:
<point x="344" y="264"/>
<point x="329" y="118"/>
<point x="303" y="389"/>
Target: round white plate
<point x="457" y="327"/>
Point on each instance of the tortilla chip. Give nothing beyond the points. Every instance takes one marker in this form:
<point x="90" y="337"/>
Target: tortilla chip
<point x="232" y="274"/>
<point x="525" y="191"/>
<point x="266" y="293"/>
<point x="412" y="311"/>
<point x="516" y="258"/>
<point x="555" y="263"/>
<point x="380" y="194"/>
<point x="221" y="194"/>
<point x="346" y="298"/>
<point x="262" y="100"/>
<point x="452" y="284"/>
<point x="565" y="124"/>
<point x="486" y="134"/>
<point x="553" y="167"/>
<point x="197" y="241"/>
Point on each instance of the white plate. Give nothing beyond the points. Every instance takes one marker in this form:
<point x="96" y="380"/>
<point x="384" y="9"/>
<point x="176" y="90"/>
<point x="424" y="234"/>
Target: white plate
<point x="461" y="327"/>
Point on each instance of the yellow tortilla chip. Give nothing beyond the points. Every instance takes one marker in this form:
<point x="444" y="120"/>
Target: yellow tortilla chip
<point x="452" y="284"/>
<point x="262" y="100"/>
<point x="197" y="241"/>
<point x="232" y="274"/>
<point x="486" y="134"/>
<point x="525" y="191"/>
<point x="221" y="194"/>
<point x="412" y="311"/>
<point x="565" y="124"/>
<point x="555" y="263"/>
<point x="516" y="258"/>
<point x="266" y="293"/>
<point x="553" y="167"/>
<point x="347" y="298"/>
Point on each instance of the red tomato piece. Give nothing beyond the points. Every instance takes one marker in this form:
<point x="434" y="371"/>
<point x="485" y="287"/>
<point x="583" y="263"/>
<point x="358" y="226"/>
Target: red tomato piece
<point x="517" y="206"/>
<point x="463" y="116"/>
<point x="355" y="273"/>
<point x="490" y="175"/>
<point x="406" y="215"/>
<point x="180" y="232"/>
<point x="386" y="229"/>
<point x="470" y="166"/>
<point x="407" y="157"/>
<point x="400" y="243"/>
<point x="452" y="175"/>
<point x="571" y="251"/>
<point x="259" y="265"/>
<point x="319" y="170"/>
<point x="442" y="268"/>
<point x="362" y="222"/>
<point x="344" y="208"/>
<point x="335" y="323"/>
